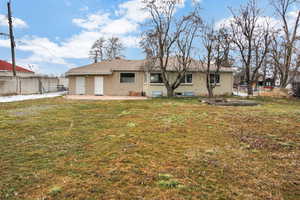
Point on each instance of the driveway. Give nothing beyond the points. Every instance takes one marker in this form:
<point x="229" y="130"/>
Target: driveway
<point x="103" y="98"/>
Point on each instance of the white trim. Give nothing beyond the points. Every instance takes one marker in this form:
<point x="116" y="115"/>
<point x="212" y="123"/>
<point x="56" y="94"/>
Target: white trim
<point x="98" y="85"/>
<point x="80" y="85"/>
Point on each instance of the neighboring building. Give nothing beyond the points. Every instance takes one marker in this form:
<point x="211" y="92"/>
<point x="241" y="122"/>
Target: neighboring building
<point x="122" y="77"/>
<point x="6" y="69"/>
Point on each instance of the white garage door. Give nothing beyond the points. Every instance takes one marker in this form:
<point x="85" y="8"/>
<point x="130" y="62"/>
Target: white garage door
<point x="98" y="85"/>
<point x="80" y="85"/>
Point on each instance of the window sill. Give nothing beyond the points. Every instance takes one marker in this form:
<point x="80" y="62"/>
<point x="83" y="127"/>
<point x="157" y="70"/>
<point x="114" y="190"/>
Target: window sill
<point x="186" y="84"/>
<point x="217" y="85"/>
<point x="157" y="84"/>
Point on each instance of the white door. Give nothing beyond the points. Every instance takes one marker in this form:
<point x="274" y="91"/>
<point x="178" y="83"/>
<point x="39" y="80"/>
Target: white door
<point x="98" y="85"/>
<point x="80" y="85"/>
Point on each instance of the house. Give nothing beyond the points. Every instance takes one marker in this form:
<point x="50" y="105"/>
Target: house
<point x="6" y="69"/>
<point x="120" y="77"/>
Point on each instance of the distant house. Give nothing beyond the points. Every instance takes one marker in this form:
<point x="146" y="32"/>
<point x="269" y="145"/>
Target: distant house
<point x="6" y="69"/>
<point x="122" y="77"/>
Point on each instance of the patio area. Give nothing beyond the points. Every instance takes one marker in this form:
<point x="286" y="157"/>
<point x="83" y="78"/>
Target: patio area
<point x="103" y="98"/>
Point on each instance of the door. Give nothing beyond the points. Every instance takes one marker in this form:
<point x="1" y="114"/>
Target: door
<point x="98" y="85"/>
<point x="80" y="85"/>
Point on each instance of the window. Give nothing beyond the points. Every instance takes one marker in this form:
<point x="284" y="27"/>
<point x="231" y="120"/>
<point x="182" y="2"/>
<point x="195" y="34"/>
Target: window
<point x="156" y="78"/>
<point x="127" y="77"/>
<point x="214" y="78"/>
<point x="188" y="78"/>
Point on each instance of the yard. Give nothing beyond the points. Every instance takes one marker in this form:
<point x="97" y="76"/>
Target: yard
<point x="155" y="149"/>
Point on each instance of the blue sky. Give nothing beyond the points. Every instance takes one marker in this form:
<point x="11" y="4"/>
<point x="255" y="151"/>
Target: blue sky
<point x="55" y="35"/>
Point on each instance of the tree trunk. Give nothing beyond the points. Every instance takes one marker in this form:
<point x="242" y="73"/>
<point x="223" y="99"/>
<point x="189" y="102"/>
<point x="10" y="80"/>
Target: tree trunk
<point x="170" y="92"/>
<point x="210" y="93"/>
<point x="284" y="82"/>
<point x="250" y="89"/>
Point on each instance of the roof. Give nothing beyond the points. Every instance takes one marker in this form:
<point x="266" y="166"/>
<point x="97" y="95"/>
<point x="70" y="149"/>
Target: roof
<point x="108" y="67"/>
<point x="5" y="66"/>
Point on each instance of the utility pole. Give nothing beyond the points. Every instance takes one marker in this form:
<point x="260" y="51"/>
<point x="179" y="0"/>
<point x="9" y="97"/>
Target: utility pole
<point x="12" y="39"/>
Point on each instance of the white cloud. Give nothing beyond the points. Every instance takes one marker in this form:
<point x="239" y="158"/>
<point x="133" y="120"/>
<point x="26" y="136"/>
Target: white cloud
<point x="262" y="21"/>
<point x="93" y="21"/>
<point x="133" y="10"/>
<point x="5" y="43"/>
<point x="17" y="22"/>
<point x="119" y="27"/>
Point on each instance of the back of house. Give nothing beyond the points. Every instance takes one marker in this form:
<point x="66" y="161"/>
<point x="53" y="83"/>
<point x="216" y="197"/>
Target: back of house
<point x="120" y="77"/>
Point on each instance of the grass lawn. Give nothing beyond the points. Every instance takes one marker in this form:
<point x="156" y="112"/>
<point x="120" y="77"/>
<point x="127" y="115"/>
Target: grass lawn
<point x="156" y="149"/>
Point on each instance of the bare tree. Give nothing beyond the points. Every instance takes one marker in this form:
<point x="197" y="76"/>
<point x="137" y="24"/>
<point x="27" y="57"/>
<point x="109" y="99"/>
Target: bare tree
<point x="261" y="45"/>
<point x="184" y="47"/>
<point x="113" y="48"/>
<point x="97" y="50"/>
<point x="216" y="44"/>
<point x="251" y="39"/>
<point x="276" y="54"/>
<point x="167" y="36"/>
<point x="288" y="41"/>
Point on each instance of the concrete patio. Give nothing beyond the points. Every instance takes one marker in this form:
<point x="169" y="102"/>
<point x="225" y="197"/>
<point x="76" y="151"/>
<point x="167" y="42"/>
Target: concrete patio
<point x="103" y="98"/>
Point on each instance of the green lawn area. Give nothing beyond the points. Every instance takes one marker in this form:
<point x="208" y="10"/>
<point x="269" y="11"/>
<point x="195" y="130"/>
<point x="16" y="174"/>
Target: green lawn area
<point x="156" y="149"/>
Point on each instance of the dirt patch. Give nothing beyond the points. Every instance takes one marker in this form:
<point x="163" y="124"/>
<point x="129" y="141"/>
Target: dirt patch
<point x="264" y="142"/>
<point x="276" y="92"/>
<point x="228" y="102"/>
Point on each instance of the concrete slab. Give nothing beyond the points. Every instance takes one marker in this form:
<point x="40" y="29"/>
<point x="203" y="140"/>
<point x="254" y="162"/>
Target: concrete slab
<point x="102" y="98"/>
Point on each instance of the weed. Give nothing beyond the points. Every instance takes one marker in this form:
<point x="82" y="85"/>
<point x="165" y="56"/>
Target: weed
<point x="131" y="125"/>
<point x="55" y="190"/>
<point x="168" y="183"/>
<point x="165" y="176"/>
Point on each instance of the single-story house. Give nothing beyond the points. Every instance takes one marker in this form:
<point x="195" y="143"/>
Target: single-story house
<point x="6" y="69"/>
<point x="120" y="77"/>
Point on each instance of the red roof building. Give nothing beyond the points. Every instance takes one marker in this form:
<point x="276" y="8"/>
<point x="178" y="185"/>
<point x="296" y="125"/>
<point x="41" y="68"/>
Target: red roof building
<point x="6" y="67"/>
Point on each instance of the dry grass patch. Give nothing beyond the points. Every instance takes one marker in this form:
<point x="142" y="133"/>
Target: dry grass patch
<point x="155" y="149"/>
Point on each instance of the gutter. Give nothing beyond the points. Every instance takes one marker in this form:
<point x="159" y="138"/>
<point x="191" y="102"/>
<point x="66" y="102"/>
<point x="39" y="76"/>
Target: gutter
<point x="87" y="73"/>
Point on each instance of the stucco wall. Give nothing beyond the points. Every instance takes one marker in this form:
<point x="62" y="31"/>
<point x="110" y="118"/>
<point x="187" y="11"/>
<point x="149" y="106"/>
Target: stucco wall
<point x="8" y="85"/>
<point x="27" y="85"/>
<point x="72" y="85"/>
<point x="63" y="81"/>
<point x="89" y="85"/>
<point x="113" y="87"/>
<point x="198" y="86"/>
<point x="21" y="74"/>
